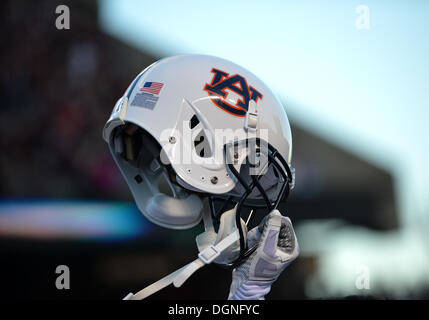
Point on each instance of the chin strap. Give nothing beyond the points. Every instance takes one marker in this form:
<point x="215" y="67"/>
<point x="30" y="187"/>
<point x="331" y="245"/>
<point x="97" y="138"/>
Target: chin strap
<point x="178" y="277"/>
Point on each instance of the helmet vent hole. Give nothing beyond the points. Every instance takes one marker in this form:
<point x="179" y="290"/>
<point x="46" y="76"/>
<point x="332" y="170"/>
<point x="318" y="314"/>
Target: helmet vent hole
<point x="201" y="145"/>
<point x="194" y="122"/>
<point x="138" y="179"/>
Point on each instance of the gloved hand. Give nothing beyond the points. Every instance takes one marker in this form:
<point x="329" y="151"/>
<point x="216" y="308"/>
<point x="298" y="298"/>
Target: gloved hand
<point x="277" y="248"/>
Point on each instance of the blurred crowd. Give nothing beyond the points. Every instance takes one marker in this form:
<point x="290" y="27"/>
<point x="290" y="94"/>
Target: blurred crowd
<point x="58" y="88"/>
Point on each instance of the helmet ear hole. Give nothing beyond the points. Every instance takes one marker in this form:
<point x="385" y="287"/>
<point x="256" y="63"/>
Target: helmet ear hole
<point x="139" y="148"/>
<point x="150" y="148"/>
<point x="194" y="121"/>
<point x="202" y="145"/>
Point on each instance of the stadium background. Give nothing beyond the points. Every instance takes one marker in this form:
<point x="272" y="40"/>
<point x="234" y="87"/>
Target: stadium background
<point x="63" y="200"/>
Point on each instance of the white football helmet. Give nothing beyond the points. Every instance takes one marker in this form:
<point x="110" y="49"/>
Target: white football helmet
<point x="199" y="137"/>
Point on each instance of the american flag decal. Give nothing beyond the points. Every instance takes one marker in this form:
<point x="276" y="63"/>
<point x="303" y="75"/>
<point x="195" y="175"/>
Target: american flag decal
<point x="152" y="87"/>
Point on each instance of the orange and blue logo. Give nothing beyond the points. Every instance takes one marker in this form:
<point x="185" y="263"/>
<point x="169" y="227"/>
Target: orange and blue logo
<point x="221" y="86"/>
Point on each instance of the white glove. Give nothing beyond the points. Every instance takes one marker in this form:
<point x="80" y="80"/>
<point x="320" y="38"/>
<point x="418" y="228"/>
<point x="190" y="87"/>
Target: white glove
<point x="277" y="248"/>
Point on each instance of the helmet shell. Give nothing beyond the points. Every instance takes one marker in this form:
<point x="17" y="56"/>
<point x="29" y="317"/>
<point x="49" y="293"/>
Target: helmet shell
<point x="165" y="97"/>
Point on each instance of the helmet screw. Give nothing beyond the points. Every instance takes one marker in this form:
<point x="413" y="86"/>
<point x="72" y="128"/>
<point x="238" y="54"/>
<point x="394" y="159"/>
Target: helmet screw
<point x="172" y="140"/>
<point x="214" y="180"/>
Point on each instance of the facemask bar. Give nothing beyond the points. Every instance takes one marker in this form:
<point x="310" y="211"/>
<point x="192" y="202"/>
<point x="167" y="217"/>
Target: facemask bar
<point x="275" y="159"/>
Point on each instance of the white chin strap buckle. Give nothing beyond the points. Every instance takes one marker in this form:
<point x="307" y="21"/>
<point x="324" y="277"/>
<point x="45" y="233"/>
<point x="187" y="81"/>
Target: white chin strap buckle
<point x="208" y="254"/>
<point x="177" y="278"/>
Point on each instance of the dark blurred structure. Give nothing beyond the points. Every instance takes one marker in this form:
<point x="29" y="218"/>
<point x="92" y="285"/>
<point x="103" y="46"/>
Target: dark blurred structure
<point x="58" y="88"/>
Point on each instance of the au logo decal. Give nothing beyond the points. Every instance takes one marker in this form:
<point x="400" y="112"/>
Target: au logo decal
<point x="218" y="89"/>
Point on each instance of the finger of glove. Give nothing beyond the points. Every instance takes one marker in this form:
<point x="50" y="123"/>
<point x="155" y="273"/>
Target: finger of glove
<point x="253" y="237"/>
<point x="271" y="226"/>
<point x="286" y="240"/>
<point x="286" y="236"/>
